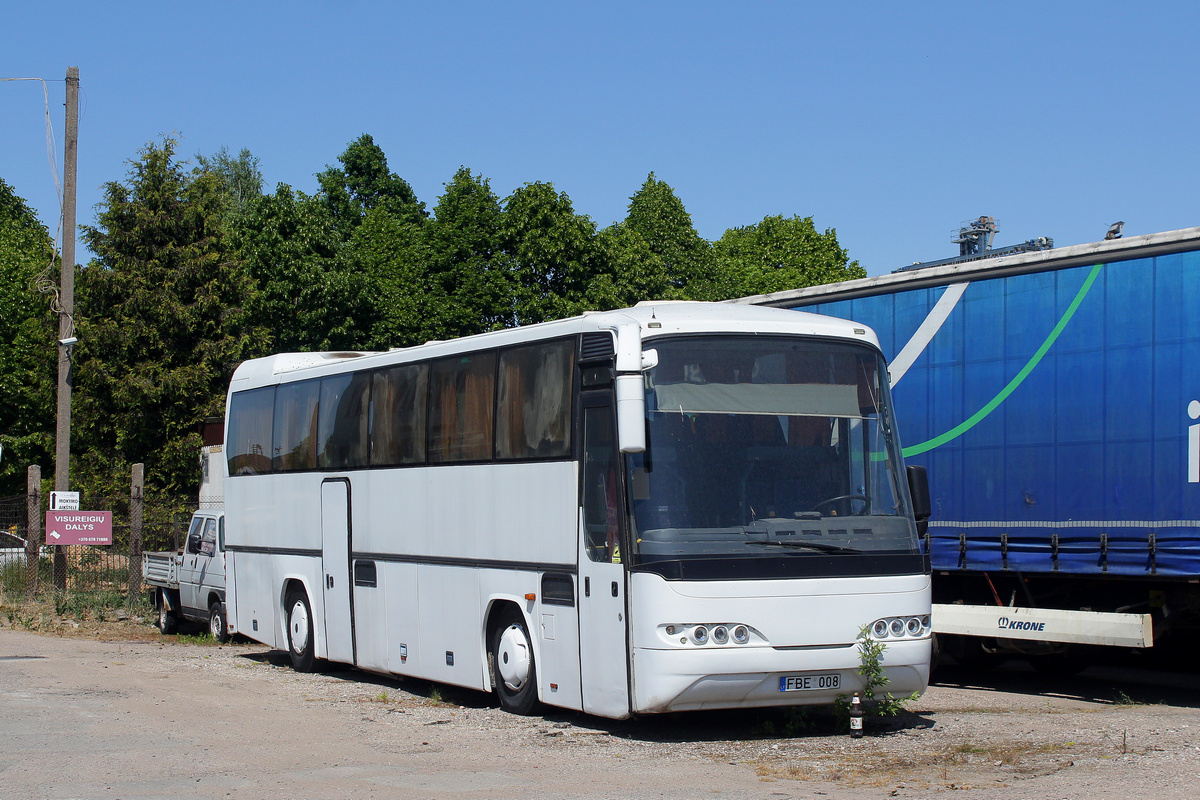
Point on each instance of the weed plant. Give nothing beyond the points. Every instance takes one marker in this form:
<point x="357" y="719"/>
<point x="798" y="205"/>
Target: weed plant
<point x="870" y="657"/>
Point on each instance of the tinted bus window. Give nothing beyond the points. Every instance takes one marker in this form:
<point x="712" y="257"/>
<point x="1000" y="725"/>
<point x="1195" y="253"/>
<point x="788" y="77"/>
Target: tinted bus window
<point x="342" y="428"/>
<point x="398" y="402"/>
<point x="249" y="439"/>
<point x="296" y="426"/>
<point x="460" y="413"/>
<point x="534" y="409"/>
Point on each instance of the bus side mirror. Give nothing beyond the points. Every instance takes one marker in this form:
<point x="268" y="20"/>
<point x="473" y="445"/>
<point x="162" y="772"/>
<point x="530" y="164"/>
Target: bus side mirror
<point x="631" y="388"/>
<point x="918" y="489"/>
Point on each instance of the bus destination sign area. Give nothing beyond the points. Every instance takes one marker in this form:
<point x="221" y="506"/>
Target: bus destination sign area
<point x="78" y="527"/>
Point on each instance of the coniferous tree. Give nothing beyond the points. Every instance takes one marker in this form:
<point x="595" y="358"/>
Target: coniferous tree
<point x="163" y="319"/>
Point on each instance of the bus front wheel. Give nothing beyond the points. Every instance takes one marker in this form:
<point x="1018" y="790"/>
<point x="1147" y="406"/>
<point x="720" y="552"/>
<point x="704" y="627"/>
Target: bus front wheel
<point x="513" y="668"/>
<point x="300" y="631"/>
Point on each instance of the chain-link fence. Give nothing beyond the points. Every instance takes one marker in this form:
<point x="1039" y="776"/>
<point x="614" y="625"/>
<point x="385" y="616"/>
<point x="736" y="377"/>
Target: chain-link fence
<point x="114" y="568"/>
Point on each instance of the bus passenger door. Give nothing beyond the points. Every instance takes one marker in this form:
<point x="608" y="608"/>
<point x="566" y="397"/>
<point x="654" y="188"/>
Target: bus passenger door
<point x="603" y="648"/>
<point x="335" y="560"/>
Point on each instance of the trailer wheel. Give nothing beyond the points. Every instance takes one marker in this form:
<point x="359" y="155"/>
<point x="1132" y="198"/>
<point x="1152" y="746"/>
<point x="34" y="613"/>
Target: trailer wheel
<point x="300" y="631"/>
<point x="167" y="621"/>
<point x="216" y="622"/>
<point x="512" y="665"/>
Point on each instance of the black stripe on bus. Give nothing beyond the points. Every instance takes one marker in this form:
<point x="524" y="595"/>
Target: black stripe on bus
<point x="273" y="551"/>
<point x="475" y="563"/>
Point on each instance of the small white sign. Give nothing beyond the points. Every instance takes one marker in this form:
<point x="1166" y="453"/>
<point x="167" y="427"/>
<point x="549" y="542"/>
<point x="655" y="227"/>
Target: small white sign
<point x="64" y="501"/>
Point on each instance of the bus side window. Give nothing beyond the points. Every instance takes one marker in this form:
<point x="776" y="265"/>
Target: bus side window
<point x="601" y="510"/>
<point x="342" y="439"/>
<point x="534" y="408"/>
<point x="462" y="390"/>
<point x="398" y="403"/>
<point x="249" y="440"/>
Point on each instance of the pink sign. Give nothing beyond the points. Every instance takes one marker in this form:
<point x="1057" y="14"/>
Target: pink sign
<point x="78" y="527"/>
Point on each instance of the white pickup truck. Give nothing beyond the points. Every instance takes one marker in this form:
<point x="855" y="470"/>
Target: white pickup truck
<point x="191" y="585"/>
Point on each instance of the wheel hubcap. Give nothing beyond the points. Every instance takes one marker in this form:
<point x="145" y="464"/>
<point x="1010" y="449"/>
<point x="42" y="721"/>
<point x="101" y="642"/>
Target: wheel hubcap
<point x="298" y="624"/>
<point x="214" y="625"/>
<point x="514" y="657"/>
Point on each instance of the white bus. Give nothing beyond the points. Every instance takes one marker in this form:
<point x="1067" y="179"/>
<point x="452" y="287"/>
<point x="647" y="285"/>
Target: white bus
<point x="677" y="506"/>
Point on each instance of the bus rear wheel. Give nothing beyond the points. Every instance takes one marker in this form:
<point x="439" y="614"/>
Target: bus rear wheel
<point x="512" y="662"/>
<point x="300" y="631"/>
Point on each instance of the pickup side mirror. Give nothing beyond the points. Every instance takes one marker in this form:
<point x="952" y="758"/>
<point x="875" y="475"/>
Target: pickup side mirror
<point x="193" y="543"/>
<point x="918" y="490"/>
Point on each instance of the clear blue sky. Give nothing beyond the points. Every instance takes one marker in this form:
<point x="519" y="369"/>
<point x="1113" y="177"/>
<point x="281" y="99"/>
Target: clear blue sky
<point x="893" y="123"/>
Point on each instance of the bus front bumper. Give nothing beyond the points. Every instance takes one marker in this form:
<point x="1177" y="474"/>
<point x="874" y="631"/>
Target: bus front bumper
<point x="757" y="677"/>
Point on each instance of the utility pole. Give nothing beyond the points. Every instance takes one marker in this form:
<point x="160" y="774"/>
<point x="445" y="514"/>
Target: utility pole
<point x="66" y="320"/>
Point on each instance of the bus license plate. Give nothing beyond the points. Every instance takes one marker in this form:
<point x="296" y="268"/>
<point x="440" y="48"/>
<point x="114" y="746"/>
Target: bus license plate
<point x="809" y="683"/>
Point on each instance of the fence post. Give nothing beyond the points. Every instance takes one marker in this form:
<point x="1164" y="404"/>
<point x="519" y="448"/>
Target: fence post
<point x="135" y="531"/>
<point x="33" y="528"/>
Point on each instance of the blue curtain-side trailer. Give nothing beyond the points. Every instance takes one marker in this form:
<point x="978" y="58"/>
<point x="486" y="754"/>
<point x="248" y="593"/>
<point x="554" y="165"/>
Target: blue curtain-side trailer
<point x="1054" y="398"/>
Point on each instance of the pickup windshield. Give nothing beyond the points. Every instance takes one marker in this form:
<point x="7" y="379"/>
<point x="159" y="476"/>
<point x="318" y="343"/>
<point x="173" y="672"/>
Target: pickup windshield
<point x="768" y="446"/>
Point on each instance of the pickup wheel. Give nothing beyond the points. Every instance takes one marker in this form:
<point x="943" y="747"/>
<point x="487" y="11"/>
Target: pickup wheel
<point x="300" y="631"/>
<point x="167" y="622"/>
<point x="216" y="622"/>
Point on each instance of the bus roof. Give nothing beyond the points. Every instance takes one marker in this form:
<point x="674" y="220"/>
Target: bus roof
<point x="656" y="318"/>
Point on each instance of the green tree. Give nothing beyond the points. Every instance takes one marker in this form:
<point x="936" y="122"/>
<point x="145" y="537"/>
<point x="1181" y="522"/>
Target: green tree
<point x="779" y="253"/>
<point x="554" y="252"/>
<point x="632" y="272"/>
<point x="658" y="216"/>
<point x="363" y="183"/>
<point x="28" y="365"/>
<point x="240" y="177"/>
<point x="162" y="318"/>
<point x="392" y="256"/>
<point x="307" y="299"/>
<point x="470" y="274"/>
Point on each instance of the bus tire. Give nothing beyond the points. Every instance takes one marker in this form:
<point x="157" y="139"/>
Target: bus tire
<point x="511" y="655"/>
<point x="216" y="622"/>
<point x="167" y="623"/>
<point x="300" y="631"/>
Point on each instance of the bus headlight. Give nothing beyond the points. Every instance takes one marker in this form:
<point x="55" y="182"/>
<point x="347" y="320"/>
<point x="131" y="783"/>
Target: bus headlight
<point x="714" y="634"/>
<point x="898" y="627"/>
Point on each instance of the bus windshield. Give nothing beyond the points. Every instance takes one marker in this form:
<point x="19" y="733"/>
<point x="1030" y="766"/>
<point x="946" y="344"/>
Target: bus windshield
<point x="768" y="446"/>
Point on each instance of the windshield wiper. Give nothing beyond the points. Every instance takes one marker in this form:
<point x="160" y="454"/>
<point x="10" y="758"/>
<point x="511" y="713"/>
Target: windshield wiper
<point x="824" y="548"/>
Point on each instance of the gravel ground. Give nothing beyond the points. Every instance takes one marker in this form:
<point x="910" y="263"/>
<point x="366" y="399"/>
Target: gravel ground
<point x="125" y="712"/>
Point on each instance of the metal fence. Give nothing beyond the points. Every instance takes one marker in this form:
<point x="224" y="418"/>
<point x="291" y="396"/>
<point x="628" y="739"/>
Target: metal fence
<point x="86" y="568"/>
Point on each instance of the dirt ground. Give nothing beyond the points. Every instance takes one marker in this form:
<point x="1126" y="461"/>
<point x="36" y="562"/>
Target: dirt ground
<point x="102" y="709"/>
